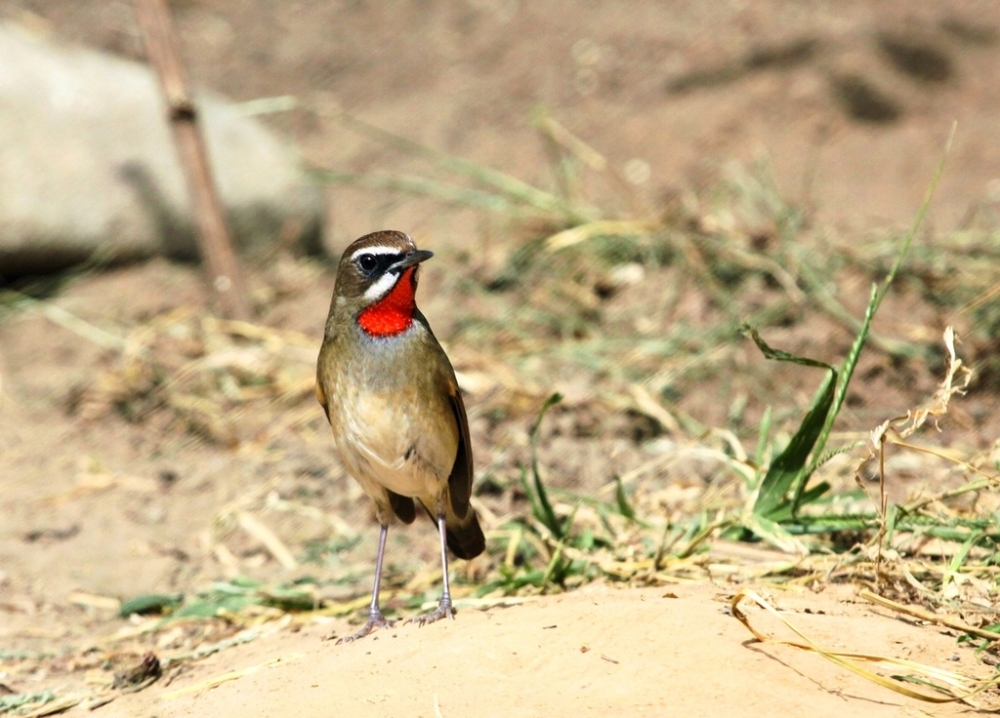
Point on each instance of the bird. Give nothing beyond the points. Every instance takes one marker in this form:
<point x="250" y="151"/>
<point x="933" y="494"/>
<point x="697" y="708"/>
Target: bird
<point x="394" y="406"/>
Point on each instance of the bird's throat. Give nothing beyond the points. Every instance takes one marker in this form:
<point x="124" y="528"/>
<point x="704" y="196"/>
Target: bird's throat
<point x="393" y="314"/>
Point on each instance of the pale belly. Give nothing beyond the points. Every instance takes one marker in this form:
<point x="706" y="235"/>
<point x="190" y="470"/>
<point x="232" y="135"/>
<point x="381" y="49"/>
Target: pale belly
<point x="395" y="444"/>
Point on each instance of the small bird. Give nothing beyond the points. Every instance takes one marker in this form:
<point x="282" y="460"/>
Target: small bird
<point x="392" y="400"/>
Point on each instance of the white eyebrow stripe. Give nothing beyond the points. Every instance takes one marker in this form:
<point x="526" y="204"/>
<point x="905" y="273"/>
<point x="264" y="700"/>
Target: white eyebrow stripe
<point x="382" y="286"/>
<point x="376" y="249"/>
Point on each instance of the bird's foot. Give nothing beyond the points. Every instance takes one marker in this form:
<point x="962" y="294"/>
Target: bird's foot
<point x="444" y="610"/>
<point x="375" y="620"/>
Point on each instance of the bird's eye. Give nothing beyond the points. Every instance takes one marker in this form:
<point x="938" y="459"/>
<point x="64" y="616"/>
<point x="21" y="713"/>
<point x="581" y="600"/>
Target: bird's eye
<point x="367" y="262"/>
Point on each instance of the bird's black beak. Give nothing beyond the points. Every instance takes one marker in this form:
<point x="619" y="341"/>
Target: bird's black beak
<point x="413" y="258"/>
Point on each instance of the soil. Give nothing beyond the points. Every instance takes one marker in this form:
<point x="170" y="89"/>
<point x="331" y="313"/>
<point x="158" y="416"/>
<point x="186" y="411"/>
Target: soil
<point x="847" y="103"/>
<point x="645" y="652"/>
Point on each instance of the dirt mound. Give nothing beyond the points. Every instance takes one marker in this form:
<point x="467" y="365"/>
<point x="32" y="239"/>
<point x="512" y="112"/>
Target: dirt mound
<point x="594" y="652"/>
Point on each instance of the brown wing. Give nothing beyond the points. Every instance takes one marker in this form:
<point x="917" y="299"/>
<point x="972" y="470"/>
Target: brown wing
<point x="321" y="398"/>
<point x="460" y="480"/>
<point x="322" y="365"/>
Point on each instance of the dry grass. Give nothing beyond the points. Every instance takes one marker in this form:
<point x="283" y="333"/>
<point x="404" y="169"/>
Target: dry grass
<point x="777" y="504"/>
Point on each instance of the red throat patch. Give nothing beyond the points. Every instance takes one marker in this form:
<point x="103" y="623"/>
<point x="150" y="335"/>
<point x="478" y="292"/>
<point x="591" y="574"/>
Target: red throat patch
<point x="393" y="314"/>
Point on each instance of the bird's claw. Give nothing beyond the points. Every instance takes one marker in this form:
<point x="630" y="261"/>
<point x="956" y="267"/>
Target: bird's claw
<point x="444" y="610"/>
<point x="375" y="620"/>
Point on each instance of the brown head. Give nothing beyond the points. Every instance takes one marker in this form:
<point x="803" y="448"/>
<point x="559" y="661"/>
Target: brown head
<point x="377" y="283"/>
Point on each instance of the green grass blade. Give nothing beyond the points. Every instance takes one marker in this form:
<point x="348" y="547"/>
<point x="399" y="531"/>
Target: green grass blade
<point x="158" y="603"/>
<point x="777" y="354"/>
<point x="891" y="522"/>
<point x="529" y="491"/>
<point x="13" y="701"/>
<point x="846" y="371"/>
<point x="851" y="361"/>
<point x="958" y="560"/>
<point x="786" y="469"/>
<point x="624" y="508"/>
<point x="773" y="533"/>
<point x="544" y="511"/>
<point x="814" y="494"/>
<point x="554" y="571"/>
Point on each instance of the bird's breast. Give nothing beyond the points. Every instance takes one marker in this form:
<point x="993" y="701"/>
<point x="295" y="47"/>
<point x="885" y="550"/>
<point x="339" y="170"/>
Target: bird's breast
<point x="391" y="418"/>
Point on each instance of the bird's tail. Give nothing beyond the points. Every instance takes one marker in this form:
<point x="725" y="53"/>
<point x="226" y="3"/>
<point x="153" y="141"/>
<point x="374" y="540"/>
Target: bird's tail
<point x="465" y="537"/>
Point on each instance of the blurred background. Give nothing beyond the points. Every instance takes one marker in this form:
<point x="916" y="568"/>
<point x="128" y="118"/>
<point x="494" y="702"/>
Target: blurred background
<point x="850" y="102"/>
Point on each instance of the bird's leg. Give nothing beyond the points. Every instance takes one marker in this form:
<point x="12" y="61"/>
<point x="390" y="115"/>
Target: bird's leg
<point x="375" y="617"/>
<point x="444" y="609"/>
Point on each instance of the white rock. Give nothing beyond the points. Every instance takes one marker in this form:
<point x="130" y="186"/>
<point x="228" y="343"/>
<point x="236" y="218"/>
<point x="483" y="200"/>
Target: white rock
<point x="89" y="170"/>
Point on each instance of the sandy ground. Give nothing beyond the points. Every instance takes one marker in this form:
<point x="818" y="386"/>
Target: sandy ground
<point x="595" y="652"/>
